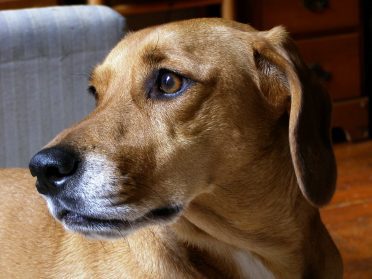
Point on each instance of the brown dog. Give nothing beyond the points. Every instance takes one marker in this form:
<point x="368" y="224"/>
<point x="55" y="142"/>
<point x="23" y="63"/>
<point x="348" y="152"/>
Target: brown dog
<point x="206" y="157"/>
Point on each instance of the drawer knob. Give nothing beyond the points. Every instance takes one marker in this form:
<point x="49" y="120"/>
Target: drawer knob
<point x="320" y="72"/>
<point x="316" y="5"/>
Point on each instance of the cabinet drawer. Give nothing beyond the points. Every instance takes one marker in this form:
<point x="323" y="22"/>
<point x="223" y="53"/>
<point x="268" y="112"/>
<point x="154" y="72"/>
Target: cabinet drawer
<point x="352" y="118"/>
<point x="339" y="58"/>
<point x="293" y="14"/>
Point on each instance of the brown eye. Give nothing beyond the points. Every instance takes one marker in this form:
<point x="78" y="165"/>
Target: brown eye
<point x="170" y="83"/>
<point x="167" y="84"/>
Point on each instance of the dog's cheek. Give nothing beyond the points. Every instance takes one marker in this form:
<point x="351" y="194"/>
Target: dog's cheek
<point x="188" y="171"/>
<point x="138" y="165"/>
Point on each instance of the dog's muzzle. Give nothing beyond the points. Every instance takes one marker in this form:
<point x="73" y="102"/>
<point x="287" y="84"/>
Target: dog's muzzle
<point x="83" y="193"/>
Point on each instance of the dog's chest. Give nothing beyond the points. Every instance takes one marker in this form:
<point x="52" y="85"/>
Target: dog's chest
<point x="250" y="266"/>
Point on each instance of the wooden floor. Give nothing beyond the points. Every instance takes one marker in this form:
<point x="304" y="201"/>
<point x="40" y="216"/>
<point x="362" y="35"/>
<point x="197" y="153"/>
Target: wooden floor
<point x="349" y="216"/>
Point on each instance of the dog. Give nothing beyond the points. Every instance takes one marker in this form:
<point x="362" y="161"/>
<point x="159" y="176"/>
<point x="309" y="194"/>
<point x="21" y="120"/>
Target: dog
<point x="207" y="156"/>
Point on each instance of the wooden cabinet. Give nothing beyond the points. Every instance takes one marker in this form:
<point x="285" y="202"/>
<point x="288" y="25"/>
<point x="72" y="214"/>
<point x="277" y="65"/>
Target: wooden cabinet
<point x="339" y="57"/>
<point x="352" y="116"/>
<point x="128" y="8"/>
<point x="328" y="35"/>
<point x="19" y="4"/>
<point x="305" y="16"/>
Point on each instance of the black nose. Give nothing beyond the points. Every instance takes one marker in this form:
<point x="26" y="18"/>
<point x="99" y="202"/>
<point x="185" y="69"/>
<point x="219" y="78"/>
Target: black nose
<point x="53" y="168"/>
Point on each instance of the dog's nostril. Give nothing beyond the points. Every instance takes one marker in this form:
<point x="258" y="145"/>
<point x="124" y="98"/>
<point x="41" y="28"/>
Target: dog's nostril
<point x="53" y="166"/>
<point x="58" y="174"/>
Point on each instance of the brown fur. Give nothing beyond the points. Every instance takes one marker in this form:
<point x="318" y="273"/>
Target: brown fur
<point x="246" y="148"/>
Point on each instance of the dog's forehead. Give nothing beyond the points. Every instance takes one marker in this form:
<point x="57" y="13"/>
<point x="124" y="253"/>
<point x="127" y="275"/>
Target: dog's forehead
<point x="197" y="35"/>
<point x="193" y="47"/>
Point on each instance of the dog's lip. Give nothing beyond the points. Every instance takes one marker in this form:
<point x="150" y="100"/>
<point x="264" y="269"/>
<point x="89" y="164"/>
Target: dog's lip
<point x="84" y="223"/>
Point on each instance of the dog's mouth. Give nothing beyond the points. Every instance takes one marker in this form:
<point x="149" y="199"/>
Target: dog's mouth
<point x="114" y="228"/>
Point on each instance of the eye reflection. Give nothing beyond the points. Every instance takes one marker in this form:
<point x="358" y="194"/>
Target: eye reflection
<point x="170" y="83"/>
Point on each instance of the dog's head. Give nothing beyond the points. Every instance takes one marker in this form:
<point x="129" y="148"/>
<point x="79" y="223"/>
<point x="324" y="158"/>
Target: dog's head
<point x="182" y="108"/>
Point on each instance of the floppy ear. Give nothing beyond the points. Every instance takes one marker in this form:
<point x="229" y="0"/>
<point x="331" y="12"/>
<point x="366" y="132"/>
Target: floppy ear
<point x="288" y="86"/>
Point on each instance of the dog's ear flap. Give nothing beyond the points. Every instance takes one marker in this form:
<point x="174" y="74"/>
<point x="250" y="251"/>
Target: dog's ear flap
<point x="288" y="86"/>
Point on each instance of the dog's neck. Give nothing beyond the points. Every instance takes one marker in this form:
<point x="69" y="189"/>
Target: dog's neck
<point x="253" y="243"/>
<point x="271" y="236"/>
<point x="228" y="260"/>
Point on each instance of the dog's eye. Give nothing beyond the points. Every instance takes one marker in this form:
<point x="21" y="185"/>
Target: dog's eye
<point x="166" y="84"/>
<point x="170" y="83"/>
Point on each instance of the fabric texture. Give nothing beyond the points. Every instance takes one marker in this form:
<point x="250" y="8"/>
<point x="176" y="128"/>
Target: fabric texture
<point x="46" y="55"/>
